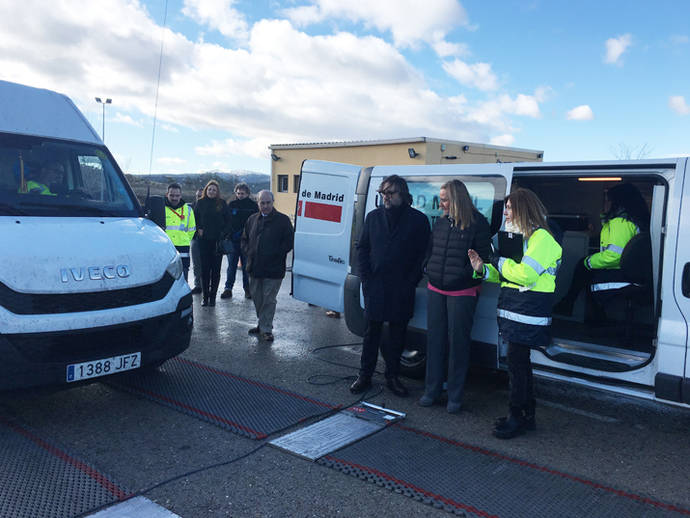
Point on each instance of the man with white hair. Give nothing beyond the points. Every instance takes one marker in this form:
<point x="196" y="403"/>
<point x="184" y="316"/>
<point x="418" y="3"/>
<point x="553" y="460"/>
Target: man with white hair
<point x="266" y="241"/>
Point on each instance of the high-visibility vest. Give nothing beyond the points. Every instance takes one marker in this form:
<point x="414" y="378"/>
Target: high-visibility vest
<point x="615" y="234"/>
<point x="180" y="226"/>
<point x="527" y="287"/>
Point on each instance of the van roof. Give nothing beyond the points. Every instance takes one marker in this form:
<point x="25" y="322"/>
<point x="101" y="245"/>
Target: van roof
<point x="34" y="111"/>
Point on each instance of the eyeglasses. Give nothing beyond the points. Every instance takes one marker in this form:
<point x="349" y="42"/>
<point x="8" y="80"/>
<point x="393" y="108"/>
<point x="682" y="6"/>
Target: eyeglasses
<point x="387" y="192"/>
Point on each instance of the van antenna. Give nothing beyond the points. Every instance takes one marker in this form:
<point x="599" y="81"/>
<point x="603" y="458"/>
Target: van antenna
<point x="155" y="107"/>
<point x="158" y="84"/>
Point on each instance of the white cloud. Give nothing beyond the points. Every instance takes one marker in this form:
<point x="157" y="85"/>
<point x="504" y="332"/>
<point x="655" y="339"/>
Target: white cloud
<point x="408" y="22"/>
<point x="170" y="128"/>
<point x="580" y="113"/>
<point x="169" y="160"/>
<point x="218" y="15"/>
<point x="282" y="85"/>
<point x="477" y="75"/>
<point x="502" y="140"/>
<point x="679" y="39"/>
<point x="677" y="104"/>
<point x="127" y="119"/>
<point x="615" y="47"/>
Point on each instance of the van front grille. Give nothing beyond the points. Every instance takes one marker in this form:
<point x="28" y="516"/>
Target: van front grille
<point x="49" y="303"/>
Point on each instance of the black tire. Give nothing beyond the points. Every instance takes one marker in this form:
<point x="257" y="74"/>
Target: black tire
<point x="413" y="363"/>
<point x="153" y="367"/>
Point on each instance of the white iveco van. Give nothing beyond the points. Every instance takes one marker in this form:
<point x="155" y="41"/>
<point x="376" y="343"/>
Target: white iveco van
<point x="638" y="346"/>
<point x="88" y="287"/>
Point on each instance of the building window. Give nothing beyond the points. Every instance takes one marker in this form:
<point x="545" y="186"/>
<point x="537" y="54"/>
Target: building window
<point x="295" y="184"/>
<point x="283" y="183"/>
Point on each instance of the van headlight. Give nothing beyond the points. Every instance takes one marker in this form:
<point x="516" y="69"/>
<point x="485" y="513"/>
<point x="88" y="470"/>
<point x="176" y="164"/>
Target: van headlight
<point x="175" y="267"/>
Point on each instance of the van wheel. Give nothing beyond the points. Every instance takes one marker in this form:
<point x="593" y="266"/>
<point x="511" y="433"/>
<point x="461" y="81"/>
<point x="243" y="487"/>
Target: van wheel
<point x="413" y="363"/>
<point x="153" y="367"/>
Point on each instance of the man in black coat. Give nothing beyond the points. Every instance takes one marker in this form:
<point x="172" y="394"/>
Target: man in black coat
<point x="240" y="209"/>
<point x="390" y="253"/>
<point x="266" y="241"/>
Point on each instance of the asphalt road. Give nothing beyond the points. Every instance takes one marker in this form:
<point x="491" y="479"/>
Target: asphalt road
<point x="635" y="446"/>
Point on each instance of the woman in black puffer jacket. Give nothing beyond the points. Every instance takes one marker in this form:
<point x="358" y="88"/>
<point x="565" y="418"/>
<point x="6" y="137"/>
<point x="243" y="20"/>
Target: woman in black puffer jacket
<point x="452" y="292"/>
<point x="212" y="220"/>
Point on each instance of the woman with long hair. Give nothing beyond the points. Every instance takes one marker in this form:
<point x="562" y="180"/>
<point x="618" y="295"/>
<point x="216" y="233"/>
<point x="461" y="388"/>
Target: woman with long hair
<point x="212" y="221"/>
<point x="524" y="303"/>
<point x="452" y="292"/>
<point x="626" y="215"/>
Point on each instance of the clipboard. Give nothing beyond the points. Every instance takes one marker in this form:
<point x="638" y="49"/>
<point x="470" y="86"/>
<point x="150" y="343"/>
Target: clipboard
<point x="511" y="245"/>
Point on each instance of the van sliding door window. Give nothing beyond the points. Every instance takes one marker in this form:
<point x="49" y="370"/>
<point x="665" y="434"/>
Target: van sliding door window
<point x="486" y="192"/>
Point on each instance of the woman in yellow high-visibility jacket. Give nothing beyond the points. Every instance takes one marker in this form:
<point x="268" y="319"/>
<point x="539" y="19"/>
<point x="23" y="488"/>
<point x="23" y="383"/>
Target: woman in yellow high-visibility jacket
<point x="524" y="303"/>
<point x="626" y="216"/>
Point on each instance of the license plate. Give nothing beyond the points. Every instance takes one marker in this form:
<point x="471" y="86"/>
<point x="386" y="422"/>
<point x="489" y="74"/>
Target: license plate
<point x="104" y="367"/>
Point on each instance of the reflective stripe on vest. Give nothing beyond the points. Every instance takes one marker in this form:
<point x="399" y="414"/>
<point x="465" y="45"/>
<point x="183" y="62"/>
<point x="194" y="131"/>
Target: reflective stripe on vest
<point x="533" y="264"/>
<point x="524" y="319"/>
<point x="614" y="248"/>
<point x="603" y="286"/>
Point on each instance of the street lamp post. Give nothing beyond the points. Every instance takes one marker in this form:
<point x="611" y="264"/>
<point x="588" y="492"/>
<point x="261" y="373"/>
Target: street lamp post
<point x="107" y="101"/>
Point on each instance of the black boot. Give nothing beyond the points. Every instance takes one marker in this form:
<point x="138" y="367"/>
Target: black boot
<point x="528" y="416"/>
<point x="204" y="299"/>
<point x="361" y="384"/>
<point x="396" y="387"/>
<point x="513" y="425"/>
<point x="212" y="299"/>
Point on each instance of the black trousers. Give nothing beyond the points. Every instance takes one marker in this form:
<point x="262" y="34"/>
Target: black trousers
<point x="448" y="339"/>
<point x="521" y="391"/>
<point x="582" y="277"/>
<point x="210" y="267"/>
<point x="390" y="351"/>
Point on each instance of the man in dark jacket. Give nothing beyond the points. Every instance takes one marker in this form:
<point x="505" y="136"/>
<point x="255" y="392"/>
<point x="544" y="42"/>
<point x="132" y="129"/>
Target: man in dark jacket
<point x="266" y="241"/>
<point x="390" y="253"/>
<point x="240" y="209"/>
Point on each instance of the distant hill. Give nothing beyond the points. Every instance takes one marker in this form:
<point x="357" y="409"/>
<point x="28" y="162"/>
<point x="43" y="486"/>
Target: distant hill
<point x="191" y="182"/>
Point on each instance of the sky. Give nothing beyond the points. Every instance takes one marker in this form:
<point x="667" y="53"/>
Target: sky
<point x="586" y="80"/>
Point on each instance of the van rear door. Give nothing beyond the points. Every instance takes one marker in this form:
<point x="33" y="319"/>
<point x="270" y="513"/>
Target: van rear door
<point x="323" y="232"/>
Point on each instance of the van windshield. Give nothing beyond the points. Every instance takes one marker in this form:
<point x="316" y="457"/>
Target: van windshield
<point x="46" y="177"/>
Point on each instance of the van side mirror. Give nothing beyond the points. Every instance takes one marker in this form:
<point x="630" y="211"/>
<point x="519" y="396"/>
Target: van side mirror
<point x="155" y="210"/>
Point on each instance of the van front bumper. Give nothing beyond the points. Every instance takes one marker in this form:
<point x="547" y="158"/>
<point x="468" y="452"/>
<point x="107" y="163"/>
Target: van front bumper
<point x="38" y="359"/>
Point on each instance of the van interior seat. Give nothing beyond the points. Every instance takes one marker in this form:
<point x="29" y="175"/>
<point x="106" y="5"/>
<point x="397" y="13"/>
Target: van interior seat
<point x="574" y="245"/>
<point x="636" y="269"/>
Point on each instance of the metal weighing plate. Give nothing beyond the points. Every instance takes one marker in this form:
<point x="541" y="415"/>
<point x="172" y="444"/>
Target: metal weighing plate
<point x="337" y="431"/>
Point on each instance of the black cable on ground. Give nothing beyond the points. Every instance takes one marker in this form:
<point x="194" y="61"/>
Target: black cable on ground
<point x="337" y="364"/>
<point x="144" y="491"/>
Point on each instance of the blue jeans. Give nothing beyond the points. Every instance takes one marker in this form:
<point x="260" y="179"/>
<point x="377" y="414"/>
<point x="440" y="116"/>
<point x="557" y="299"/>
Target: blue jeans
<point x="233" y="257"/>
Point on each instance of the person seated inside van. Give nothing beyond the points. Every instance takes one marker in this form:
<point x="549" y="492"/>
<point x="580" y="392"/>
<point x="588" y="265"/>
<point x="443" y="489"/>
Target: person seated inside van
<point x="625" y="215"/>
<point x="47" y="181"/>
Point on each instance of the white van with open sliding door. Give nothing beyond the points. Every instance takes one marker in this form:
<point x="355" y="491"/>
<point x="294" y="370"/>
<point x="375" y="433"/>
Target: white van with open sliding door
<point x="637" y="346"/>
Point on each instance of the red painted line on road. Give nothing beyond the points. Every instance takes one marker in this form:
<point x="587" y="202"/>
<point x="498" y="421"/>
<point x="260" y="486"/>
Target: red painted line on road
<point x="323" y="211"/>
<point x="483" y="451"/>
<point x="448" y="501"/>
<point x="259" y="435"/>
<point x="107" y="484"/>
<point x="257" y="383"/>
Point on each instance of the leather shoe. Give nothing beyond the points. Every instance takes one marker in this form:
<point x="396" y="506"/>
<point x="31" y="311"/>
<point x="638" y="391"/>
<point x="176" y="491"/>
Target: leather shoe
<point x="361" y="384"/>
<point x="426" y="400"/>
<point x="227" y="294"/>
<point x="254" y="330"/>
<point x="454" y="408"/>
<point x="513" y="426"/>
<point x="396" y="387"/>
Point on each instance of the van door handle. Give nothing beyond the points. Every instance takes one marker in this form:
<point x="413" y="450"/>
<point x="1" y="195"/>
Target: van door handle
<point x="685" y="286"/>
